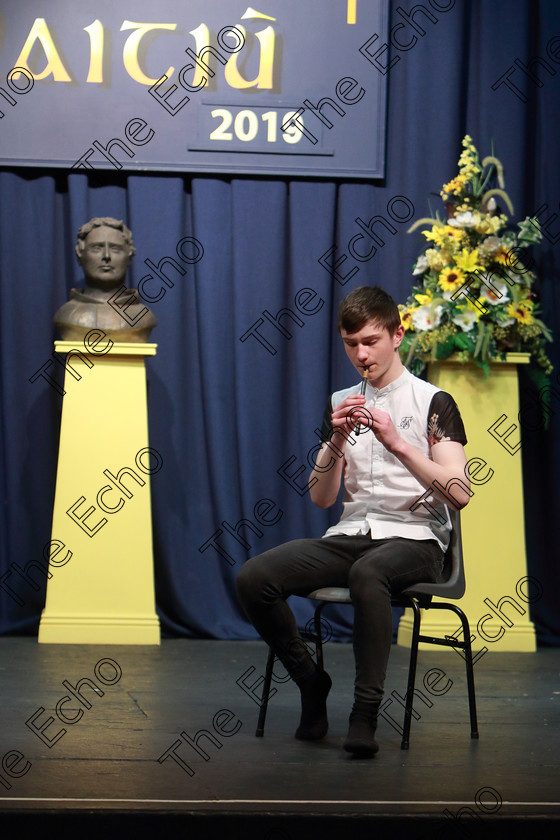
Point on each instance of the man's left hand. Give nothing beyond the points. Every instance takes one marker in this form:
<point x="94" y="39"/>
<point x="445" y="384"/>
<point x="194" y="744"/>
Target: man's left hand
<point x="382" y="426"/>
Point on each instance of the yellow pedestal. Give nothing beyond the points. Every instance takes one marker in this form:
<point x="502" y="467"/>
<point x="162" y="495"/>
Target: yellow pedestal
<point x="493" y="521"/>
<point x="101" y="589"/>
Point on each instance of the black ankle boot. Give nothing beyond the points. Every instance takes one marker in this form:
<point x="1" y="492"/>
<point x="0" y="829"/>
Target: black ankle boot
<point x="314" y="691"/>
<point x="361" y="733"/>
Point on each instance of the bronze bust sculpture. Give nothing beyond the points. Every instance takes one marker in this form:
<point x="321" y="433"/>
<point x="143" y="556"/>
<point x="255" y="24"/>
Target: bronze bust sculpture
<point x="104" y="249"/>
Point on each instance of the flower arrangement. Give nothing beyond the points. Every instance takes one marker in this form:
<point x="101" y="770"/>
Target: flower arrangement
<point x="474" y="295"/>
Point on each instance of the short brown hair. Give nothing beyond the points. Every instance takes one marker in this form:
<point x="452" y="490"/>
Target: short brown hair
<point x="368" y="303"/>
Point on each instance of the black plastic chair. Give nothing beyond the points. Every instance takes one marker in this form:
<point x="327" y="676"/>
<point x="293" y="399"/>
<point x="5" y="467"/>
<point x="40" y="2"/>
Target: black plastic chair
<point x="417" y="597"/>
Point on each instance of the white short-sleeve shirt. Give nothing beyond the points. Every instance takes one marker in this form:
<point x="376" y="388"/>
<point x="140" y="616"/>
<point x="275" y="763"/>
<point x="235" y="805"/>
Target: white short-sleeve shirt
<point x="379" y="491"/>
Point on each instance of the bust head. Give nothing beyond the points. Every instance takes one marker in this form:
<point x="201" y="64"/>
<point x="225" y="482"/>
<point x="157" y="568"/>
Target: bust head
<point x="104" y="249"/>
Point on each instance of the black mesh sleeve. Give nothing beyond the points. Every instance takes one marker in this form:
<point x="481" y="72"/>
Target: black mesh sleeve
<point x="326" y="427"/>
<point x="444" y="420"/>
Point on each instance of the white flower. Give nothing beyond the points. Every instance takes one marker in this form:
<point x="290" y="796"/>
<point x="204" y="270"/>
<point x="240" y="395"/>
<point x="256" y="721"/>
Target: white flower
<point x="466" y="320"/>
<point x="468" y="219"/>
<point x="421" y="264"/>
<point x="426" y="318"/>
<point x="449" y="294"/>
<point x="492" y="244"/>
<point x="494" y="297"/>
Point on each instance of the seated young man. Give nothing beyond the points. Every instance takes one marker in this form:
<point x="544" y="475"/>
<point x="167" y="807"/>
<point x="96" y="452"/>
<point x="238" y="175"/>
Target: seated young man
<point x="388" y="446"/>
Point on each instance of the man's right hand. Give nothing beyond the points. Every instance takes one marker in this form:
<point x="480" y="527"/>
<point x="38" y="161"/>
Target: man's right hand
<point x="346" y="416"/>
<point x="325" y="479"/>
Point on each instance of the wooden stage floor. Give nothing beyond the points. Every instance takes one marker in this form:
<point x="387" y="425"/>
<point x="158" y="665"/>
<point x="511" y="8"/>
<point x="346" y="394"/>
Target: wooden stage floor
<point x="103" y="769"/>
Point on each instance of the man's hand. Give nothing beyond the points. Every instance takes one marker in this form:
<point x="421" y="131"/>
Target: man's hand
<point x="352" y="411"/>
<point x="383" y="429"/>
<point x="348" y="414"/>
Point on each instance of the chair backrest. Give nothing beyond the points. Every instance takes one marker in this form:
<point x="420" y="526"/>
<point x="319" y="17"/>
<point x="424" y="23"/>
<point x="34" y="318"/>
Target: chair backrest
<point x="452" y="583"/>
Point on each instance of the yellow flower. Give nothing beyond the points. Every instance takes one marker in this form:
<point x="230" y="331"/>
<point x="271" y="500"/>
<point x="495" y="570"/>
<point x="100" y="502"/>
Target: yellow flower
<point x="424" y="300"/>
<point x="522" y="311"/>
<point x="489" y="225"/>
<point x="444" y="236"/>
<point x="455" y="234"/>
<point x="434" y="234"/>
<point x="484" y="227"/>
<point x="435" y="259"/>
<point x="468" y="260"/>
<point x="469" y="168"/>
<point x="406" y="317"/>
<point x="451" y="279"/>
<point x="501" y="255"/>
<point x="456" y="184"/>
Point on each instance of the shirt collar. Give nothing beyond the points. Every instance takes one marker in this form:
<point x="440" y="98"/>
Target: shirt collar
<point x="396" y="383"/>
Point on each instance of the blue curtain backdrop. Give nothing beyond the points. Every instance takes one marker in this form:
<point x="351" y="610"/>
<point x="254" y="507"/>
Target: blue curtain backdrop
<point x="226" y="414"/>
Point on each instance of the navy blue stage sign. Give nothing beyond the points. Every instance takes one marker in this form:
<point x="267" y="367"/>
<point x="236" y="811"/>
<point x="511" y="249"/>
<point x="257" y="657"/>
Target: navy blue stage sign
<point x="294" y="87"/>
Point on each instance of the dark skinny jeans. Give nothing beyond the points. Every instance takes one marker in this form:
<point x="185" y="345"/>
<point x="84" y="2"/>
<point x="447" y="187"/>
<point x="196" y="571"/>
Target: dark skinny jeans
<point x="373" y="571"/>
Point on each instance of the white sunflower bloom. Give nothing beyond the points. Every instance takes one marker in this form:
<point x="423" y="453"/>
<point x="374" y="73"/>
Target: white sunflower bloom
<point x="466" y="320"/>
<point x="421" y="264"/>
<point x="498" y="296"/>
<point x="492" y="244"/>
<point x="468" y="219"/>
<point x="426" y="317"/>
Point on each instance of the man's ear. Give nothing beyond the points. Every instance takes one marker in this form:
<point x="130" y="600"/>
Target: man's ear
<point x="398" y="336"/>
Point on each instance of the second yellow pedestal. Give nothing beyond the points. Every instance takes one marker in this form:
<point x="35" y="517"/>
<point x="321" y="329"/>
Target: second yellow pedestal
<point x="496" y="600"/>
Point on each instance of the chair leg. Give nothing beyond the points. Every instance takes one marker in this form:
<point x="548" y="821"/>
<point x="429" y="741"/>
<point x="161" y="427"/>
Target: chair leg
<point x="265" y="693"/>
<point x="411" y="674"/>
<point x="318" y="637"/>
<point x="466" y="646"/>
<point x="470" y="673"/>
<point x="259" y="732"/>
